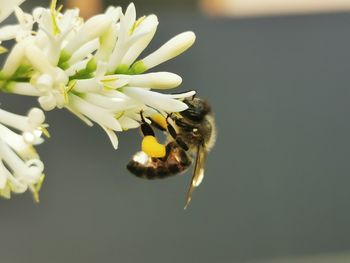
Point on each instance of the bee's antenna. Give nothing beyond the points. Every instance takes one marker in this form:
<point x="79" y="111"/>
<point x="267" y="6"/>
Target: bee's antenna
<point x="183" y="92"/>
<point x="142" y="118"/>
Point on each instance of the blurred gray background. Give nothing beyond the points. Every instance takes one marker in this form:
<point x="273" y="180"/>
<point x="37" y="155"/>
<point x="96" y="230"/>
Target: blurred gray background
<point x="277" y="182"/>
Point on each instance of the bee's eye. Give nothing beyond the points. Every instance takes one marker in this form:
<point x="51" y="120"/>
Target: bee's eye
<point x="193" y="114"/>
<point x="197" y="110"/>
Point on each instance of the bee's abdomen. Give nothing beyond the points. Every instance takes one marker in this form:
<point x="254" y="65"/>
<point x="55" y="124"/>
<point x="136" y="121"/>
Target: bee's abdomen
<point x="148" y="172"/>
<point x="176" y="161"/>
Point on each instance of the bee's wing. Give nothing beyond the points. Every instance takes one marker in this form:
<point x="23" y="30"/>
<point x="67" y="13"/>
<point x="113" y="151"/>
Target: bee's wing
<point x="198" y="172"/>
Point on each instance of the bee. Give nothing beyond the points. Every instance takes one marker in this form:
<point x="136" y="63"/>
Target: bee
<point x="191" y="135"/>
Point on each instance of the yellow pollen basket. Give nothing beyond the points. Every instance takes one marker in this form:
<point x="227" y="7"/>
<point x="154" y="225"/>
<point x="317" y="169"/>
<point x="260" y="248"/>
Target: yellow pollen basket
<point x="152" y="147"/>
<point x="160" y="120"/>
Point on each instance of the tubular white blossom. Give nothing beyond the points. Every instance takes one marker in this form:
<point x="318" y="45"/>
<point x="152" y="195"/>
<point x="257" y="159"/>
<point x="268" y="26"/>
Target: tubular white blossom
<point x="157" y="80"/>
<point x="169" y="50"/>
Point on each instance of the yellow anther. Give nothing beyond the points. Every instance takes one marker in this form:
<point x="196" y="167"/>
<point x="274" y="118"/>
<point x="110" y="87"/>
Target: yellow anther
<point x="45" y="131"/>
<point x="160" y="120"/>
<point x="152" y="147"/>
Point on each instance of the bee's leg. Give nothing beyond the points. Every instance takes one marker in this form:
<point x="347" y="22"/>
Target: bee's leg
<point x="173" y="134"/>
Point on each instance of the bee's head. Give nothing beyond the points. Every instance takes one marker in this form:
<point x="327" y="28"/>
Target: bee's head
<point x="197" y="109"/>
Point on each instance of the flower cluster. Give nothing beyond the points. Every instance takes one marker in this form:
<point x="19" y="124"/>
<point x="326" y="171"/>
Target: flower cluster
<point x="20" y="166"/>
<point x="92" y="68"/>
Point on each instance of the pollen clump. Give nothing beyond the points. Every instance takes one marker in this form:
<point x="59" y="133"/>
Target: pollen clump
<point x="152" y="147"/>
<point x="160" y="120"/>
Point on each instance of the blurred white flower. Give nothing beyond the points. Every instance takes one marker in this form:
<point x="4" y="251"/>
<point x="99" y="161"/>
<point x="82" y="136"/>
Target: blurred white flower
<point x="19" y="31"/>
<point x="7" y="7"/>
<point x="9" y="32"/>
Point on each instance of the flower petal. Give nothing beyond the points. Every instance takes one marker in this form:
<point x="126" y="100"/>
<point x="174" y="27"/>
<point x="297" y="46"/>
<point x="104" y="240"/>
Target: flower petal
<point x="112" y="136"/>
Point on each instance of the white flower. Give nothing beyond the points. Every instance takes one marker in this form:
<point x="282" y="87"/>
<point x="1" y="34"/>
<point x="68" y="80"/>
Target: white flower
<point x="89" y="68"/>
<point x="20" y="166"/>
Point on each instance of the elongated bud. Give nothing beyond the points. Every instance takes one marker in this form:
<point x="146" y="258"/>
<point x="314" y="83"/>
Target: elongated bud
<point x="157" y="80"/>
<point x="169" y="50"/>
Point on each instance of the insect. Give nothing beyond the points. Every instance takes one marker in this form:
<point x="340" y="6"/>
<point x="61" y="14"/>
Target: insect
<point x="190" y="135"/>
